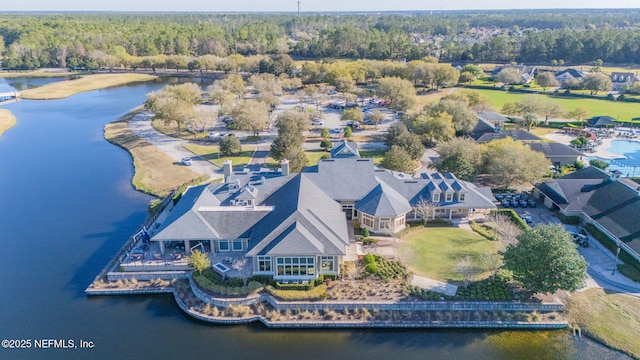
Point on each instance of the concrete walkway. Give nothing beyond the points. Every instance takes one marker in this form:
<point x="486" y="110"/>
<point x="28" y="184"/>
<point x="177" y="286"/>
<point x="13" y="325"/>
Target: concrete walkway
<point x="434" y="285"/>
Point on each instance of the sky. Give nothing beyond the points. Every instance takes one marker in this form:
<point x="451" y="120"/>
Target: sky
<point x="307" y="5"/>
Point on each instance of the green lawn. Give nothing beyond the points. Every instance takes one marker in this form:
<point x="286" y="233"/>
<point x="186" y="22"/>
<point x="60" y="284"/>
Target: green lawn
<point x="211" y="154"/>
<point x="433" y="252"/>
<point x="613" y="319"/>
<point x="314" y="156"/>
<point x="618" y="110"/>
<point x="375" y="154"/>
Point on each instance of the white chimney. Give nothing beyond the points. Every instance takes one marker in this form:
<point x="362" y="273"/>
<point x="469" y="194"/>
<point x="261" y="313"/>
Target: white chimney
<point x="284" y="165"/>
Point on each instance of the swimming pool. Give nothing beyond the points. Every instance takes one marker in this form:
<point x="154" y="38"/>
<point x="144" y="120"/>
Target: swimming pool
<point x="630" y="166"/>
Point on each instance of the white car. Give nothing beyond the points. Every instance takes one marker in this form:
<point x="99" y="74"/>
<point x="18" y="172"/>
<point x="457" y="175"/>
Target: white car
<point x="186" y="161"/>
<point x="213" y="135"/>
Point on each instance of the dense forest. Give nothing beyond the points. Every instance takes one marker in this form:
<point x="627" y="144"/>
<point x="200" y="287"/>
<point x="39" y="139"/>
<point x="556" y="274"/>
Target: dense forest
<point x="33" y="40"/>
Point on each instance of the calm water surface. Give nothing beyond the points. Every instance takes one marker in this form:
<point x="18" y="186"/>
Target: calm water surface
<point x="66" y="208"/>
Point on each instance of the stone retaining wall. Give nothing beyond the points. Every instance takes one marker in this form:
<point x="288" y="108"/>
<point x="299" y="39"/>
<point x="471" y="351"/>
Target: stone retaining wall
<point x="146" y="276"/>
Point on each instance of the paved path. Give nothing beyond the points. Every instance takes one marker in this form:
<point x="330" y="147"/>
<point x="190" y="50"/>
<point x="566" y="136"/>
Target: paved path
<point x="434" y="285"/>
<point x="141" y="126"/>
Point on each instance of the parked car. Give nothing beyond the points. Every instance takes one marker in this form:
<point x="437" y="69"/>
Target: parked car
<point x="369" y="122"/>
<point x="336" y="130"/>
<point x="214" y="135"/>
<point x="318" y="123"/>
<point x="514" y="203"/>
<point x="532" y="202"/>
<point x="186" y="161"/>
<point x="528" y="219"/>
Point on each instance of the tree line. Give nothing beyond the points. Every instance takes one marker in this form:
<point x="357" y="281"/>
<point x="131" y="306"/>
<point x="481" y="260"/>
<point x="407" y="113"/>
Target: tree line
<point x="86" y="40"/>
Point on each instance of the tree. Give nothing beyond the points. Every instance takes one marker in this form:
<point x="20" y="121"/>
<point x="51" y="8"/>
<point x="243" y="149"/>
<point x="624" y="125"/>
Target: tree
<point x="397" y="159"/>
<point x="509" y="76"/>
<point x="199" y="261"/>
<point x="251" y="116"/>
<point x="466" y="77"/>
<point x="376" y="116"/>
<point x="433" y="128"/>
<point x="326" y="144"/>
<point x="580" y="113"/>
<point x="595" y="82"/>
<point x="474" y="69"/>
<point x="600" y="164"/>
<point x="546" y="260"/>
<point x="230" y="145"/>
<point x="324" y="133"/>
<point x="353" y="114"/>
<point x="506" y="230"/>
<point x="189" y="93"/>
<point x="426" y="209"/>
<point x="509" y="108"/>
<point x="529" y="104"/>
<point x="288" y="144"/>
<point x="460" y="156"/>
<point x="169" y="109"/>
<point x="550" y="109"/>
<point x="399" y="92"/>
<point x="492" y="261"/>
<point x="444" y="74"/>
<point x="465" y="267"/>
<point x="348" y="132"/>
<point x="464" y="119"/>
<point x="512" y="162"/>
<point x="529" y="119"/>
<point x="546" y="79"/>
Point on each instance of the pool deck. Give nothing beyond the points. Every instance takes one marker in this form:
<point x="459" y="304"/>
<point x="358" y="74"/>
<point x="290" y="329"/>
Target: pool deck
<point x="600" y="150"/>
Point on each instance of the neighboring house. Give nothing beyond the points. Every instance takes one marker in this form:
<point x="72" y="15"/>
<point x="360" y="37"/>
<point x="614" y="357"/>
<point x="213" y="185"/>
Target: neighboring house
<point x="527" y="72"/>
<point x="569" y="74"/>
<point x="605" y="200"/>
<point x="558" y="154"/>
<point x="295" y="226"/>
<point x="620" y="79"/>
<point x="497" y="120"/>
<point x="489" y="128"/>
<point x="602" y="122"/>
<point x="345" y="149"/>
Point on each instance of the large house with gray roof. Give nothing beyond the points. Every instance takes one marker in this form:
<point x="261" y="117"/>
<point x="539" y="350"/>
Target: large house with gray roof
<point x="603" y="199"/>
<point x="296" y="226"/>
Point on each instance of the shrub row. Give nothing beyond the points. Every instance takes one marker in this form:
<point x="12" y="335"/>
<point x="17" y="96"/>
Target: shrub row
<point x="483" y="230"/>
<point x="572" y="220"/>
<point x="207" y="284"/>
<point x="485" y="290"/>
<point x="611" y="245"/>
<point x="385" y="269"/>
<point x="513" y="215"/>
<point x="438" y="223"/>
<point x="318" y="293"/>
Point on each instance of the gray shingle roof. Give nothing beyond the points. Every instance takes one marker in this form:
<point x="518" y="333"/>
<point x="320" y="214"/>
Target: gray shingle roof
<point x="344" y="180"/>
<point x="554" y="149"/>
<point x="313" y="212"/>
<point x="492" y="117"/>
<point x="383" y="201"/>
<point x="516" y="134"/>
<point x="345" y="149"/>
<point x="598" y="121"/>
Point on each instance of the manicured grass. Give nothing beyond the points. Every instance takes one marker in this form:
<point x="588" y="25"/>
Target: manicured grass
<point x="63" y="89"/>
<point x="612" y="318"/>
<point x="621" y="110"/>
<point x="314" y="156"/>
<point x="211" y="154"/>
<point x="433" y="252"/>
<point x="155" y="172"/>
<point x="434" y="97"/>
<point x="375" y="154"/>
<point x="7" y="120"/>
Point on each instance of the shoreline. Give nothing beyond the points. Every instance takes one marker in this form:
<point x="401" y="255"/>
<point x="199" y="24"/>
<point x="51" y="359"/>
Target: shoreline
<point x="7" y="120"/>
<point x="64" y="89"/>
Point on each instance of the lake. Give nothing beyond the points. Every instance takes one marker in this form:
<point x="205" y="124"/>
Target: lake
<point x="68" y="206"/>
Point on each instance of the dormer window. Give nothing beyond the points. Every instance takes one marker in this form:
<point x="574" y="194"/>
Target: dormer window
<point x="461" y="197"/>
<point x="449" y="197"/>
<point x="436" y="197"/>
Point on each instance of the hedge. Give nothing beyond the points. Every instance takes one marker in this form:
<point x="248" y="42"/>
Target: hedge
<point x="611" y="245"/>
<point x="438" y="223"/>
<point x="318" y="293"/>
<point x="513" y="215"/>
<point x="209" y="285"/>
<point x="572" y="220"/>
<point x="483" y="230"/>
